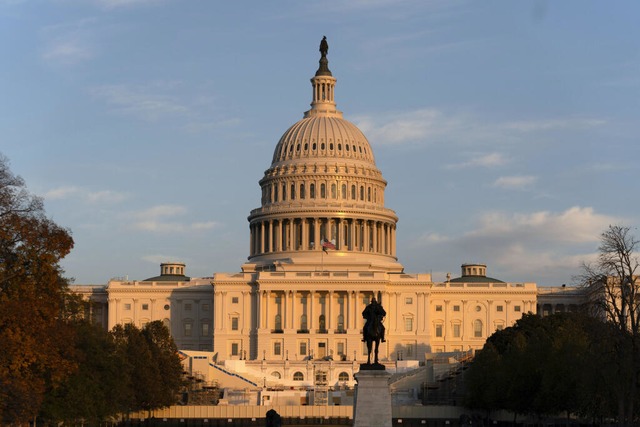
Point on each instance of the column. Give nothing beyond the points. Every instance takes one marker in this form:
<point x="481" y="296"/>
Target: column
<point x="305" y="233"/>
<point x="261" y="237"/>
<point x="375" y="236"/>
<point x="316" y="234"/>
<point x="312" y="320"/>
<point x="330" y="317"/>
<point x="352" y="235"/>
<point x="270" y="248"/>
<point x="293" y="311"/>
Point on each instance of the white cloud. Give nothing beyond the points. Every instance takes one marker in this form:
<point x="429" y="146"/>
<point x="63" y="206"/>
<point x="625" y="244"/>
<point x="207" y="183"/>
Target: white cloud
<point x="515" y="182"/>
<point x="86" y="195"/>
<point x="113" y="4"/>
<point x="141" y="102"/>
<point x="430" y="125"/>
<point x="160" y="219"/>
<point x="487" y="161"/>
<point x="537" y="246"/>
<point x="69" y="43"/>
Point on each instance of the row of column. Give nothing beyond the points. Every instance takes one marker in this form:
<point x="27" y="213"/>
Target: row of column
<point x="308" y="234"/>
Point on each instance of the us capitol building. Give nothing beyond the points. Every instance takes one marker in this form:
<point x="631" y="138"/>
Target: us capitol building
<point x="322" y="245"/>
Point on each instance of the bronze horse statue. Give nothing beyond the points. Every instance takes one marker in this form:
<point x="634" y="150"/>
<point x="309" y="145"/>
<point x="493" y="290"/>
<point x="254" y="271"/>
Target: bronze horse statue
<point x="373" y="331"/>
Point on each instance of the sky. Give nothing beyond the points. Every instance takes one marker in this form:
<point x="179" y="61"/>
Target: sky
<point x="508" y="131"/>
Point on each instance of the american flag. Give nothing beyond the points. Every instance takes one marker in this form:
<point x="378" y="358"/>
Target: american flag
<point x="327" y="245"/>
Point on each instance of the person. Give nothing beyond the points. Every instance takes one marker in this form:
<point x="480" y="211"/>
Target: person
<point x="372" y="312"/>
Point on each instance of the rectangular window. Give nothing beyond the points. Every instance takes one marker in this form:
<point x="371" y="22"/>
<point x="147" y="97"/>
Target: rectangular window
<point x="127" y="306"/>
<point x="438" y="308"/>
<point x="408" y="300"/>
<point x="145" y="306"/>
<point x="235" y="349"/>
<point x="234" y="323"/>
<point x="456" y="308"/>
<point x="187" y="329"/>
<point x="205" y="330"/>
<point x="439" y="331"/>
<point x="205" y="307"/>
<point x="187" y="307"/>
<point x="234" y="300"/>
<point x="456" y="330"/>
<point x="303" y="348"/>
<point x="366" y="300"/>
<point x="516" y="308"/>
<point x="340" y="348"/>
<point x="277" y="348"/>
<point x="408" y="324"/>
<point x="499" y="308"/>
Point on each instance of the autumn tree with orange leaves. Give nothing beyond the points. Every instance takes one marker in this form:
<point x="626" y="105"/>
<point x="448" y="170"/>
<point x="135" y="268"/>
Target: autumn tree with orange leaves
<point x="36" y="339"/>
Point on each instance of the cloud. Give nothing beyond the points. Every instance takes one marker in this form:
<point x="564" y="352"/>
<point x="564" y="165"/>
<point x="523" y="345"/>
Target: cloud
<point x="140" y="102"/>
<point x="538" y="246"/>
<point x="486" y="161"/>
<point x="515" y="182"/>
<point x="69" y="43"/>
<point x="114" y="4"/>
<point x="86" y="195"/>
<point x="430" y="126"/>
<point x="161" y="219"/>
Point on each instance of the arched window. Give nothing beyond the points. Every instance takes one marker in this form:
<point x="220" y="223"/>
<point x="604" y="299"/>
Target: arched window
<point x="302" y="195"/>
<point x="343" y="376"/>
<point x="362" y="192"/>
<point x="368" y="194"/>
<point x="353" y="192"/>
<point x="278" y="325"/>
<point x="276" y="374"/>
<point x="298" y="376"/>
<point x="323" y="191"/>
<point x="322" y="322"/>
<point x="333" y="191"/>
<point x="303" y="322"/>
<point x="477" y="328"/>
<point x="312" y="191"/>
<point x="293" y="191"/>
<point x="284" y="192"/>
<point x="344" y="191"/>
<point x="340" y="322"/>
<point x="275" y="193"/>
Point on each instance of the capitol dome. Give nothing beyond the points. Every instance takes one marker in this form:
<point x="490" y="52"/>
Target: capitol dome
<point x="323" y="196"/>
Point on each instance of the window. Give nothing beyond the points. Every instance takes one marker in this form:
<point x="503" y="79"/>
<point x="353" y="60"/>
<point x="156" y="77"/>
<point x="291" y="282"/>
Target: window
<point x="439" y="331"/>
<point x="477" y="328"/>
<point x="340" y="322"/>
<point x="234" y="323"/>
<point x="276" y="374"/>
<point x="145" y="306"/>
<point x="353" y="192"/>
<point x="478" y="308"/>
<point x="234" y="300"/>
<point x="187" y="307"/>
<point x="344" y="191"/>
<point x="303" y="322"/>
<point x="334" y="193"/>
<point x="340" y="348"/>
<point x="362" y="192"/>
<point x="235" y="349"/>
<point x="205" y="329"/>
<point x="127" y="306"/>
<point x="303" y="348"/>
<point x="302" y="195"/>
<point x="278" y="325"/>
<point x="456" y="308"/>
<point x="456" y="330"/>
<point x="167" y="306"/>
<point x="408" y="324"/>
<point x="205" y="307"/>
<point x="323" y="191"/>
<point x="408" y="300"/>
<point x="516" y="308"/>
<point x="312" y="191"/>
<point x="298" y="376"/>
<point x="293" y="191"/>
<point x="499" y="308"/>
<point x="438" y="308"/>
<point x="343" y="376"/>
<point x="277" y="348"/>
<point x="188" y="326"/>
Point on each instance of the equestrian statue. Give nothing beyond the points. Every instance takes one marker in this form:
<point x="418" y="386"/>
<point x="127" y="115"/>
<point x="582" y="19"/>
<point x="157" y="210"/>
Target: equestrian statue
<point x="373" y="331"/>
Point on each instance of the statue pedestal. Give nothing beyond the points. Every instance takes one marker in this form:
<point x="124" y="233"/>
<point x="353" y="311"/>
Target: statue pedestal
<point x="372" y="405"/>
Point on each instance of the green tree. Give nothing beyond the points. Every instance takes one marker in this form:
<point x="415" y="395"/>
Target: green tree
<point x="36" y="339"/>
<point x="96" y="391"/>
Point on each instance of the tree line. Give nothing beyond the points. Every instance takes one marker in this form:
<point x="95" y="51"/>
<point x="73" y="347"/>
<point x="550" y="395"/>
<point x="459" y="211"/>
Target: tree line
<point x="54" y="365"/>
<point x="584" y="364"/>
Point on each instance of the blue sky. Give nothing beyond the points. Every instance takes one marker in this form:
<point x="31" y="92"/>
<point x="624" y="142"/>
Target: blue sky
<point x="508" y="131"/>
